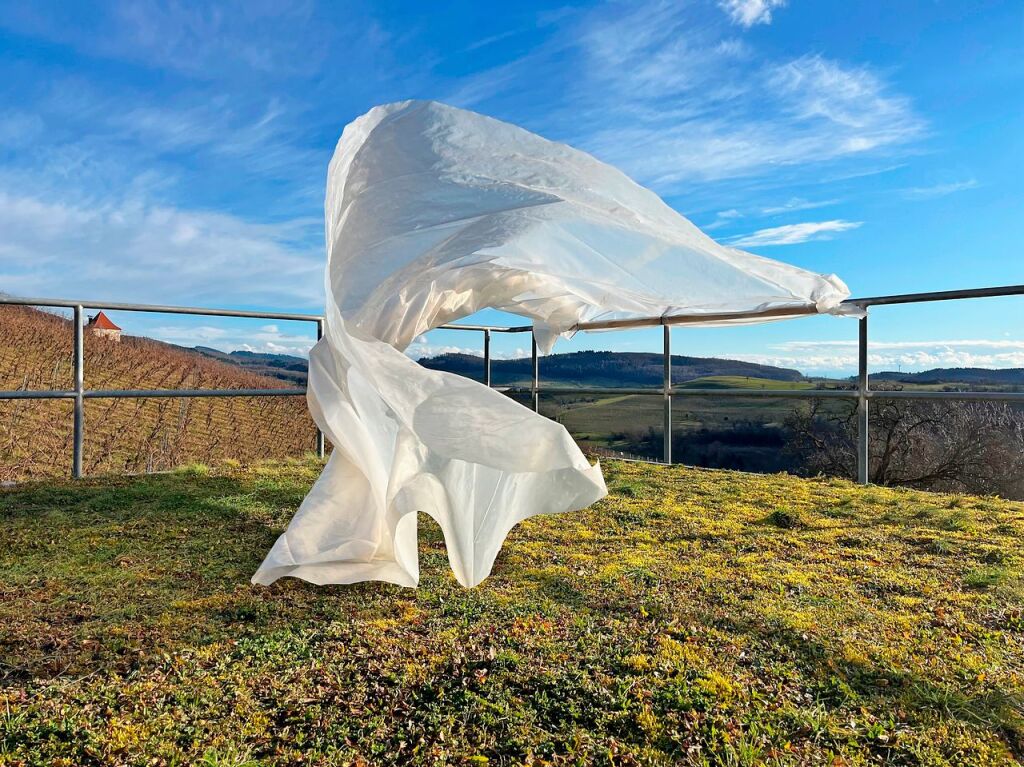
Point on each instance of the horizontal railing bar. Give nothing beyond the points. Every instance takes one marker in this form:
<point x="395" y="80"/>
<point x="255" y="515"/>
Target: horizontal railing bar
<point x="160" y="309"/>
<point x="679" y="391"/>
<point x="582" y="390"/>
<point x="37" y="394"/>
<point x="905" y="298"/>
<point x="695" y="319"/>
<point x="790" y="393"/>
<point x="768" y="393"/>
<point x="939" y="295"/>
<point x="212" y="312"/>
<point x="784" y="393"/>
<point x="145" y="393"/>
<point x="682" y="319"/>
<point x="998" y="396"/>
<point x="492" y="328"/>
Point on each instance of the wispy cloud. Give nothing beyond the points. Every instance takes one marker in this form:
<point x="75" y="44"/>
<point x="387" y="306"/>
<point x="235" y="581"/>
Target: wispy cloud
<point x="852" y="100"/>
<point x="723" y="218"/>
<point x="691" y="108"/>
<point x="792" y="234"/>
<point x="747" y="13"/>
<point x="119" y="172"/>
<point x="795" y="204"/>
<point x="133" y="251"/>
<point x="207" y="42"/>
<point x="674" y="98"/>
<point x="939" y="190"/>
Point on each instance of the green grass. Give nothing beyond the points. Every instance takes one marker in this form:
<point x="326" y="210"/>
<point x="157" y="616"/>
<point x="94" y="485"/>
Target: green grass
<point x="692" y="617"/>
<point x="742" y="382"/>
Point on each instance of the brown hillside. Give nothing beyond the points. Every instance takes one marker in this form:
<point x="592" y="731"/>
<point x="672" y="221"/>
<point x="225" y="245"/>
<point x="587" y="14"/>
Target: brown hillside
<point x="132" y="435"/>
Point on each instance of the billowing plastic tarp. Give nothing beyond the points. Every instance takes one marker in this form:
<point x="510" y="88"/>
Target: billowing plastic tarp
<point x="432" y="214"/>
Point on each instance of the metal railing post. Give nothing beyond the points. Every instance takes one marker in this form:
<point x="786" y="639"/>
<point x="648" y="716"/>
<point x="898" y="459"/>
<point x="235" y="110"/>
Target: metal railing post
<point x="863" y="412"/>
<point x="487" y="358"/>
<point x="667" y="444"/>
<point x="535" y="380"/>
<point x="321" y="447"/>
<point x="78" y="436"/>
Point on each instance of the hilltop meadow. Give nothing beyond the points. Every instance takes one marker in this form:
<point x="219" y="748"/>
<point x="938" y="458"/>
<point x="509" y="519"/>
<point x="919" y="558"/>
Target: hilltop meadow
<point x="693" y="617"/>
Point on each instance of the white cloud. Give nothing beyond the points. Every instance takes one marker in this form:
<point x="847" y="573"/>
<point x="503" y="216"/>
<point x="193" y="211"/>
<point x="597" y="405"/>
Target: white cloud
<point x="267" y="339"/>
<point x="986" y="343"/>
<point x="198" y="335"/>
<point x="795" y="204"/>
<point x="671" y="96"/>
<point x="828" y="363"/>
<point x="673" y="106"/>
<point x="746" y="13"/>
<point x="136" y="252"/>
<point x="723" y="218"/>
<point x="420" y="351"/>
<point x="851" y="99"/>
<point x="833" y="356"/>
<point x="674" y="95"/>
<point x="792" y="234"/>
<point x="939" y="190"/>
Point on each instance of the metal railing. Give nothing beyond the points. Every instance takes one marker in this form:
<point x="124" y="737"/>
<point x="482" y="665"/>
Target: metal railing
<point x="862" y="393"/>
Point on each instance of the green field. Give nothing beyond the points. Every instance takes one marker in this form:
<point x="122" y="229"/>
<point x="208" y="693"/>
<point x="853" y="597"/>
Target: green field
<point x="741" y="382"/>
<point x="621" y="422"/>
<point x="692" y="617"/>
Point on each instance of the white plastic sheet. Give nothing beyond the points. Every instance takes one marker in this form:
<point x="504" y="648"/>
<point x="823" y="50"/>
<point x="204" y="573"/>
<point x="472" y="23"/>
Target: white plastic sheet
<point x="433" y="213"/>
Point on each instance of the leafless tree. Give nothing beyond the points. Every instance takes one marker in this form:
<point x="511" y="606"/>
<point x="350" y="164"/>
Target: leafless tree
<point x="975" y="447"/>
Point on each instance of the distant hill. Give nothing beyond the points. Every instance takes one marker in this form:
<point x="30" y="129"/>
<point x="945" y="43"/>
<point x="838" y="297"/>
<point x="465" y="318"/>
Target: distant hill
<point x="593" y="368"/>
<point x="977" y="376"/>
<point x="573" y="369"/>
<point x="283" y="366"/>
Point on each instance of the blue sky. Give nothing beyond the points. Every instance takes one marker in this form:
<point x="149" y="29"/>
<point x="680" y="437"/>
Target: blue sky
<point x="176" y="153"/>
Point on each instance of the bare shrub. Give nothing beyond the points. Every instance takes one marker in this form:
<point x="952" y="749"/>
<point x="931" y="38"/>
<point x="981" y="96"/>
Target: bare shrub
<point x="959" y="446"/>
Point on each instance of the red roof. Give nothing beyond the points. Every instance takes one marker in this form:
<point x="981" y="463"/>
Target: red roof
<point x="103" y="322"/>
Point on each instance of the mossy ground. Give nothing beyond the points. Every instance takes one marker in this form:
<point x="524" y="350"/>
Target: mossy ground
<point x="692" y="617"/>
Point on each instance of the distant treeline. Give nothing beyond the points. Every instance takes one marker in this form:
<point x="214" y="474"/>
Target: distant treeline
<point x="979" y="376"/>
<point x="593" y="368"/>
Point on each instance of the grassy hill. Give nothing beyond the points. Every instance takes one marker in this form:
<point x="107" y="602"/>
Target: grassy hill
<point x="692" y="617"/>
<point x="132" y="435"/>
<point x="742" y="382"/>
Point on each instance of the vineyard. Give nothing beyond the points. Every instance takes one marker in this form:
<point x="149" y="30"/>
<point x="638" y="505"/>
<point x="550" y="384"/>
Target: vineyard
<point x="132" y="435"/>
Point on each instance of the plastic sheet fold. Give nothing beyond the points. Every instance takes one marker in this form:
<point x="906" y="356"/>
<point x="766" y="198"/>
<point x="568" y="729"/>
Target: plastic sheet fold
<point x="434" y="213"/>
